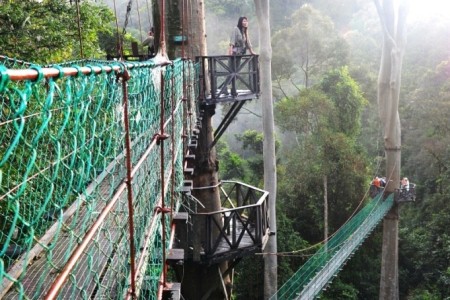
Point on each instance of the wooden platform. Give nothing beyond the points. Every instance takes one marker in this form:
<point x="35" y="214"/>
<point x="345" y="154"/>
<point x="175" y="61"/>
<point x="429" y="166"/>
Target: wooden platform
<point x="246" y="246"/>
<point x="236" y="238"/>
<point x="242" y="95"/>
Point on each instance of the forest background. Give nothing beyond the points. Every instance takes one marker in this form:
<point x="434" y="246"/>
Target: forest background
<point x="326" y="57"/>
<point x="325" y="65"/>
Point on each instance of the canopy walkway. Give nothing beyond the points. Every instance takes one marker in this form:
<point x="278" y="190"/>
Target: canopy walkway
<point x="91" y="169"/>
<point x="93" y="160"/>
<point x="320" y="269"/>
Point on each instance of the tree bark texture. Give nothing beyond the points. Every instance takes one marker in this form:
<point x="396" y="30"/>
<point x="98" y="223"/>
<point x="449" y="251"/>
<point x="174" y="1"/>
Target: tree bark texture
<point x="195" y="31"/>
<point x="202" y="281"/>
<point x="270" y="172"/>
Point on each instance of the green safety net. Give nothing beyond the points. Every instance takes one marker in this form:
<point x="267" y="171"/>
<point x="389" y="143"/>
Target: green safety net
<point x="63" y="175"/>
<point x="13" y="63"/>
<point x="320" y="269"/>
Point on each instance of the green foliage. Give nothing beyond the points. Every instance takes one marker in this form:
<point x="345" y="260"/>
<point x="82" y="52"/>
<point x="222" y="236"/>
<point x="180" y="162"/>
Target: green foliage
<point x="304" y="114"/>
<point x="292" y="248"/>
<point x="325" y="121"/>
<point x="340" y="291"/>
<point x="46" y="32"/>
<point x="347" y="98"/>
<point x="249" y="278"/>
<point x="248" y="167"/>
<point x="223" y="8"/>
<point x="252" y="140"/>
<point x="425" y="249"/>
<point x="232" y="166"/>
<point x="307" y="49"/>
<point x="95" y="20"/>
<point x="281" y="11"/>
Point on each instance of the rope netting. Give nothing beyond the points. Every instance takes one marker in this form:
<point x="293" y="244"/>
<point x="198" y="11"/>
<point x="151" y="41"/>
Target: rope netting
<point x="320" y="269"/>
<point x="79" y="215"/>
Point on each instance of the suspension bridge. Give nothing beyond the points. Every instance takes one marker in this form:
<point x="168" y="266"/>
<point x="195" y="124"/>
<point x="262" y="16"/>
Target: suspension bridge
<point x="99" y="176"/>
<point x="96" y="162"/>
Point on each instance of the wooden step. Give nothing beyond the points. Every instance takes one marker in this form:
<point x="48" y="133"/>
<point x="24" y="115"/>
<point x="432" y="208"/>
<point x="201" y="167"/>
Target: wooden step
<point x="187" y="187"/>
<point x="175" y="256"/>
<point x="180" y="217"/>
<point x="187" y="170"/>
<point x="172" y="291"/>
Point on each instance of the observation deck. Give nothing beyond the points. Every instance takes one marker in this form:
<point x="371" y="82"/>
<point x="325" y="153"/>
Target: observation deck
<point x="239" y="229"/>
<point x="228" y="78"/>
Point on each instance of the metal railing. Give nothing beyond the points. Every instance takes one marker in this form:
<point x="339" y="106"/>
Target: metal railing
<point x="89" y="177"/>
<point x="229" y="77"/>
<point x="406" y="194"/>
<point x="243" y="222"/>
<point x="401" y="194"/>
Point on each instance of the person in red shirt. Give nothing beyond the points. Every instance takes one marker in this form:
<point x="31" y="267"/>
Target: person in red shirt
<point x="376" y="182"/>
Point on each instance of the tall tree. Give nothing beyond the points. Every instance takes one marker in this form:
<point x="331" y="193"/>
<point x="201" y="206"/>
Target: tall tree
<point x="326" y="121"/>
<point x="307" y="49"/>
<point x="195" y="14"/>
<point x="393" y="22"/>
<point x="270" y="170"/>
<point x="203" y="281"/>
<point x="44" y="31"/>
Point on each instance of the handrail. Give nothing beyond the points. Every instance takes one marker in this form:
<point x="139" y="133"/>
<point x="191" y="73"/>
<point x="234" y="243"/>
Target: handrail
<point x="240" y="72"/>
<point x="229" y="225"/>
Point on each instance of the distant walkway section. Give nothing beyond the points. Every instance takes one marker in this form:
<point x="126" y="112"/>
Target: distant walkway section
<point x="321" y="268"/>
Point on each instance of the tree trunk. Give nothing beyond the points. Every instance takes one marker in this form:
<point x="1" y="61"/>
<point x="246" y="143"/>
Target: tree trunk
<point x="195" y="31"/>
<point x="174" y="11"/>
<point x="201" y="281"/>
<point x="393" y="21"/>
<point x="270" y="174"/>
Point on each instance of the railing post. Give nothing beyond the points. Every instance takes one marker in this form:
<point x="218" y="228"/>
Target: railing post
<point x="209" y="233"/>
<point x="239" y="197"/>
<point x="212" y="64"/>
<point x="125" y="77"/>
<point x="258" y="224"/>
<point x="233" y="231"/>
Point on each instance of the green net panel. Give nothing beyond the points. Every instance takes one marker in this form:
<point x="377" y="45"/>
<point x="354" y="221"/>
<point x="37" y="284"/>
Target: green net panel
<point x="13" y="63"/>
<point x="63" y="175"/>
<point x="320" y="269"/>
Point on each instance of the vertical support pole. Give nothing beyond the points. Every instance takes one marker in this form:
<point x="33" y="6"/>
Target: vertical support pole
<point x="162" y="34"/>
<point x="183" y="11"/>
<point x="213" y="79"/>
<point x="163" y="219"/>
<point x="77" y="2"/>
<point x="125" y="78"/>
<point x="172" y="116"/>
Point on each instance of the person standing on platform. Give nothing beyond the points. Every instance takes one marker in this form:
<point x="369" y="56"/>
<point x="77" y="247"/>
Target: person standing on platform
<point x="150" y="42"/>
<point x="239" y="44"/>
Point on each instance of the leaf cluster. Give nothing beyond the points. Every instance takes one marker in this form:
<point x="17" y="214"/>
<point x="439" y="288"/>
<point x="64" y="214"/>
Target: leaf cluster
<point x="44" y="32"/>
<point x="325" y="122"/>
<point x="307" y="48"/>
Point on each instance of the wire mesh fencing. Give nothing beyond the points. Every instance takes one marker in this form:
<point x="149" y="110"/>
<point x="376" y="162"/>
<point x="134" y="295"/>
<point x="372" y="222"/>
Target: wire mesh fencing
<point x="89" y="150"/>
